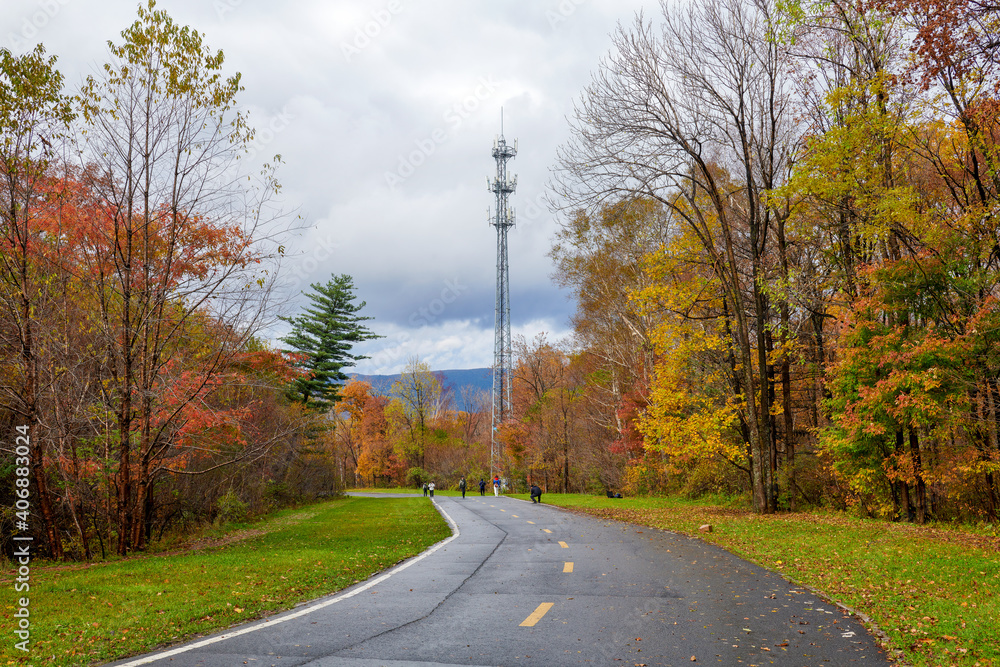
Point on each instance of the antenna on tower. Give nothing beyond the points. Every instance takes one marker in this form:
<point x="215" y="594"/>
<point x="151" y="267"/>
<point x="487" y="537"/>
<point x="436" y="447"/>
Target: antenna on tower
<point x="502" y="187"/>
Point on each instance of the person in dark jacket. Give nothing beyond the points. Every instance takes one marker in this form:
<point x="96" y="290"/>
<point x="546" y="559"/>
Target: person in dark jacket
<point x="536" y="494"/>
<point x="482" y="487"/>
<point x="461" y="486"/>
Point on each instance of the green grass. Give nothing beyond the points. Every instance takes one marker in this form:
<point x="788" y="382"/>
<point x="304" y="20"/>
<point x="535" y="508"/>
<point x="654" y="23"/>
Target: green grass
<point x="437" y="492"/>
<point x="933" y="591"/>
<point x="392" y="490"/>
<point x="95" y="613"/>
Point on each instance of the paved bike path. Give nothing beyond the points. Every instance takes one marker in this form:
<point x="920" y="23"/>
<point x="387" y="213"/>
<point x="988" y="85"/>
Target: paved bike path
<point x="599" y="592"/>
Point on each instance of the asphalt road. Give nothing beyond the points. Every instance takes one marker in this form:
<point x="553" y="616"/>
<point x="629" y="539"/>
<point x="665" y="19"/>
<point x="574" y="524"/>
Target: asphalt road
<point x="524" y="584"/>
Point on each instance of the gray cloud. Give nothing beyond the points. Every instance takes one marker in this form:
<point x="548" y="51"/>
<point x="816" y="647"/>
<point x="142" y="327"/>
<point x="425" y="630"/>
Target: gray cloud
<point x="384" y="112"/>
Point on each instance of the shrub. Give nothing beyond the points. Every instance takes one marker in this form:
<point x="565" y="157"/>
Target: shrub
<point x="232" y="509"/>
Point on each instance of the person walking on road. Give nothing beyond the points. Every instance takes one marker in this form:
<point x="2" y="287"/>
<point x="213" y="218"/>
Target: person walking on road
<point x="536" y="494"/>
<point x="425" y="489"/>
<point x="461" y="486"/>
<point x="430" y="488"/>
<point x="482" y="486"/>
<point x="496" y="485"/>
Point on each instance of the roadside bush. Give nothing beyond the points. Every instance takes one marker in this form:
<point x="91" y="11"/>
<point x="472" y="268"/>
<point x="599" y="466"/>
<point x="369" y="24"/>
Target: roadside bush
<point x="231" y="508"/>
<point x="416" y="477"/>
<point x="277" y="495"/>
<point x="713" y="476"/>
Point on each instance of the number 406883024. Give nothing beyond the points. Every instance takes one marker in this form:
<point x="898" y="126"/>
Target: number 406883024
<point x="22" y="470"/>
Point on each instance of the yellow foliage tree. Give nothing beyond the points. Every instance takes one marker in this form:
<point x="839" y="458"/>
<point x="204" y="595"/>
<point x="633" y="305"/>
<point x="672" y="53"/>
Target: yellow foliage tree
<point x="688" y="416"/>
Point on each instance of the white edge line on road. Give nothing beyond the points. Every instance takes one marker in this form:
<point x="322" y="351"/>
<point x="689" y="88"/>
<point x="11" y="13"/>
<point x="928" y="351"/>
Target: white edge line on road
<point x="302" y="612"/>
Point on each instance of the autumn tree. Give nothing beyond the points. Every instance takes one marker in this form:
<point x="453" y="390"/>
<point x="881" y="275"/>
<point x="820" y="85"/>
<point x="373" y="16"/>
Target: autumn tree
<point x="34" y="116"/>
<point x="377" y="459"/>
<point x="691" y="413"/>
<point x="695" y="114"/>
<point x="548" y="401"/>
<point x="131" y="286"/>
<point x="895" y="178"/>
<point x="474" y="406"/>
<point x="182" y="234"/>
<point x="601" y="257"/>
<point x="348" y="414"/>
<point x="418" y="401"/>
<point x="958" y="56"/>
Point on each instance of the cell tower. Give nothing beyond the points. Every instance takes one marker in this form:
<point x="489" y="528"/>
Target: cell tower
<point x="503" y="219"/>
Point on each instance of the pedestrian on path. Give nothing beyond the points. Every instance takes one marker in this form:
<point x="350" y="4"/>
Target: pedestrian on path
<point x="496" y="485"/>
<point x="425" y="489"/>
<point x="482" y="486"/>
<point x="461" y="487"/>
<point x="430" y="487"/>
<point x="536" y="494"/>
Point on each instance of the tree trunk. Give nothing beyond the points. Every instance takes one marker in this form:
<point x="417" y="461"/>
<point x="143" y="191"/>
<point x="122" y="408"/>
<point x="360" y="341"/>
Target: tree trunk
<point x="918" y="473"/>
<point x="906" y="508"/>
<point x="993" y="443"/>
<point x="36" y="443"/>
<point x="786" y="374"/>
<point x="766" y="421"/>
<point x="73" y="501"/>
<point x="45" y="502"/>
<point x="123" y="481"/>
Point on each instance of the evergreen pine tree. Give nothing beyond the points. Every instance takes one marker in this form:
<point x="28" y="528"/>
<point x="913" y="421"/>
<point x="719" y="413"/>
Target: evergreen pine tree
<point x="325" y="334"/>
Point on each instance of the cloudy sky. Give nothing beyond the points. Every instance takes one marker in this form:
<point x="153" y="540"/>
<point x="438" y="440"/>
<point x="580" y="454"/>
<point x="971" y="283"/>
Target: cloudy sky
<point x="385" y="113"/>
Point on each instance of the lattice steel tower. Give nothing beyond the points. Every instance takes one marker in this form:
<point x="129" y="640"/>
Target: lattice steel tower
<point x="503" y="219"/>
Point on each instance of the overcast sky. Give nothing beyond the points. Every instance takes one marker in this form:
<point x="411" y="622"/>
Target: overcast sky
<point x="385" y="113"/>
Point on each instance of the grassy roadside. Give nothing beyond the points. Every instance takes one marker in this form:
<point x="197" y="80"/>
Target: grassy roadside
<point x="437" y="492"/>
<point x="82" y="614"/>
<point x="934" y="592"/>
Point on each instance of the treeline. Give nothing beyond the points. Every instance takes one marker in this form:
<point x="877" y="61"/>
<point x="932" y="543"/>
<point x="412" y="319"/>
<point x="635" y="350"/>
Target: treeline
<point x="782" y="233"/>
<point x="420" y="430"/>
<point x="136" y="262"/>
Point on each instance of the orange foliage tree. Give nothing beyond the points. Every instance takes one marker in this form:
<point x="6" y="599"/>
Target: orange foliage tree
<point x="133" y="287"/>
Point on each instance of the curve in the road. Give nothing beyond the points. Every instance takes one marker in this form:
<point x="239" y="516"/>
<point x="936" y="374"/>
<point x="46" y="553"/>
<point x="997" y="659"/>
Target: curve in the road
<point x="526" y="584"/>
<point x="312" y="608"/>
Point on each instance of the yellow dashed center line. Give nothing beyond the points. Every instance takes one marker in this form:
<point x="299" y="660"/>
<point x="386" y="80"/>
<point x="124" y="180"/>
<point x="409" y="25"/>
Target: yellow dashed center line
<point x="546" y="530"/>
<point x="563" y="545"/>
<point x="531" y="522"/>
<point x="568" y="566"/>
<point x="503" y="510"/>
<point x="537" y="614"/>
<point x="515" y="516"/>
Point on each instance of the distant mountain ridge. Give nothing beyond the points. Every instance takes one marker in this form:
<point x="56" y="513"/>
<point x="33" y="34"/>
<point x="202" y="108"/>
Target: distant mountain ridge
<point x="453" y="381"/>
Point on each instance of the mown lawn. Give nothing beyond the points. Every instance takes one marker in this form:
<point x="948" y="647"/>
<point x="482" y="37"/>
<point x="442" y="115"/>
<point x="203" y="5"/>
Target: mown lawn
<point x="933" y="591"/>
<point x="82" y="614"/>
